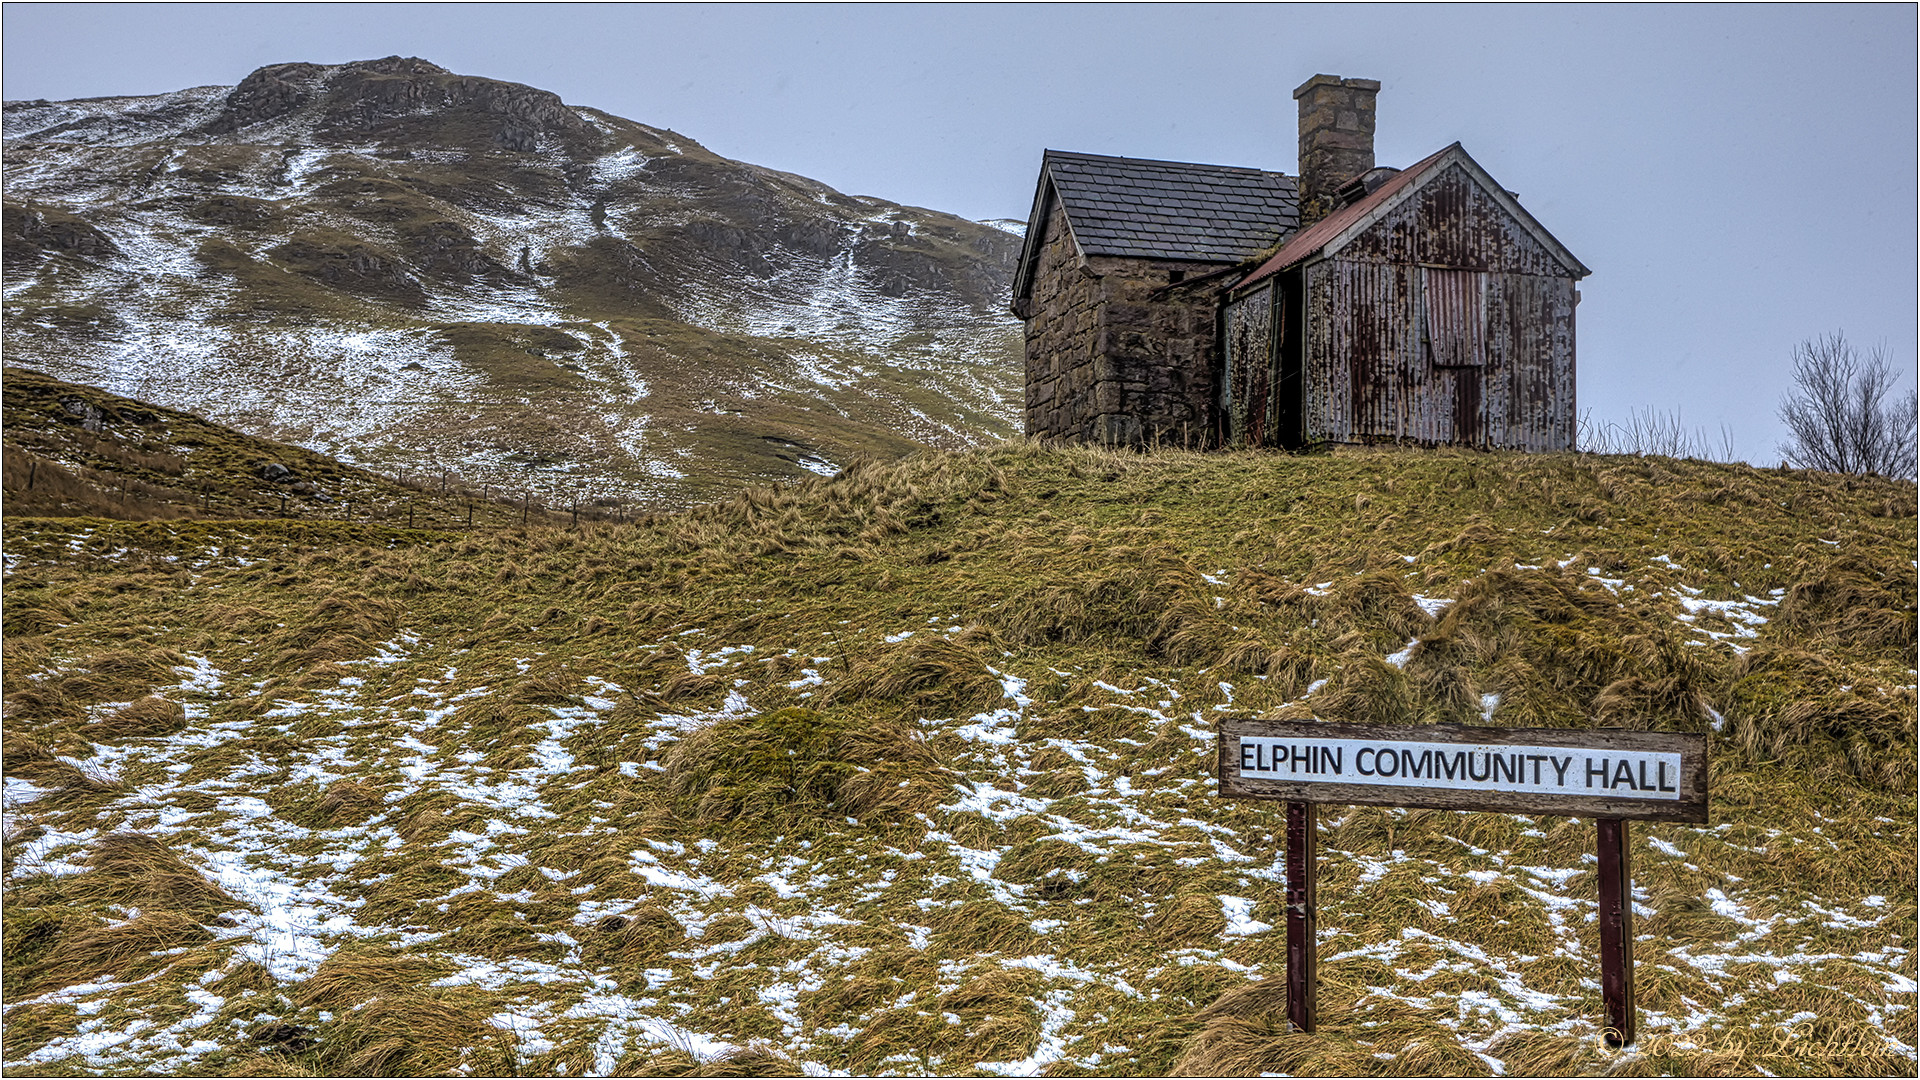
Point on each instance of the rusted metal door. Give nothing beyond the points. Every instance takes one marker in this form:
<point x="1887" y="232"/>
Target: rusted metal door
<point x="1454" y="338"/>
<point x="1456" y="317"/>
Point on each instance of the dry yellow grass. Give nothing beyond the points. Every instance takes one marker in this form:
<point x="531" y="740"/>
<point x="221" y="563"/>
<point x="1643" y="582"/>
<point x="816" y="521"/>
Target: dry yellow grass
<point x="525" y="799"/>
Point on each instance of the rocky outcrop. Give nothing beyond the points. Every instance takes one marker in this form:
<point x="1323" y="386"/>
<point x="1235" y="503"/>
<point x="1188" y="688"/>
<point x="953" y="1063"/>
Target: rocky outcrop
<point x="269" y="92"/>
<point x="352" y="265"/>
<point x="32" y="232"/>
<point x="367" y="94"/>
<point x="444" y="249"/>
<point x="231" y="210"/>
<point x="938" y="259"/>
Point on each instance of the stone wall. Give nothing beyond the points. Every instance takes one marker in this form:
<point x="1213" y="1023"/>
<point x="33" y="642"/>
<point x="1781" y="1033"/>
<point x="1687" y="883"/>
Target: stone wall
<point x="1060" y="335"/>
<point x="1117" y="352"/>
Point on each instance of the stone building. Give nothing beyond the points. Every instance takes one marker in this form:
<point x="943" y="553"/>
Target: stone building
<point x="1181" y="304"/>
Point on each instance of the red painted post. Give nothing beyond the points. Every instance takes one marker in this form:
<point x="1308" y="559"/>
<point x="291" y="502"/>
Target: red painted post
<point x="1302" y="897"/>
<point x="1616" y="931"/>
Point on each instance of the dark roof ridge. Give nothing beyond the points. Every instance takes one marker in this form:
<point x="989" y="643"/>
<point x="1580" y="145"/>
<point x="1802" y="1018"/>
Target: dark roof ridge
<point x="1050" y="153"/>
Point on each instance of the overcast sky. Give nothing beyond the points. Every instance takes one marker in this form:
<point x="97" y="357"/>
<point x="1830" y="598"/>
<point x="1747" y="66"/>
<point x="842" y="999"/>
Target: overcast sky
<point x="1738" y="178"/>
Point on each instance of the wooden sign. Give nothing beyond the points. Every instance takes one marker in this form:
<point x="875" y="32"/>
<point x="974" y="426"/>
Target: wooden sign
<point x="1611" y="776"/>
<point x="1644" y="775"/>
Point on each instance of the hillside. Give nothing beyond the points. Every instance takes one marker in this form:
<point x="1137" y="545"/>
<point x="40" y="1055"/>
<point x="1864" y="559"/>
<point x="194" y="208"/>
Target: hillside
<point x="75" y="450"/>
<point x="909" y="770"/>
<point x="414" y="270"/>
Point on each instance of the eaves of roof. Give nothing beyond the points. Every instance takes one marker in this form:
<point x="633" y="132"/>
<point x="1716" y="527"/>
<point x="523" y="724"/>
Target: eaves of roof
<point x="1332" y="231"/>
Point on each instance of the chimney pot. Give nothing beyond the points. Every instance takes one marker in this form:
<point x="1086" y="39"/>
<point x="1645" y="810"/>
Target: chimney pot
<point x="1336" y="139"/>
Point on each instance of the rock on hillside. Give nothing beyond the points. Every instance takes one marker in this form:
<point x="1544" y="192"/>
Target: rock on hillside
<point x="409" y="268"/>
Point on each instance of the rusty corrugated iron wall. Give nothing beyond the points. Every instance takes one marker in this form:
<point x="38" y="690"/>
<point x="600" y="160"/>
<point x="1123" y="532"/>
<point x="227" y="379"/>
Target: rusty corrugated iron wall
<point x="1444" y="322"/>
<point x="1453" y="223"/>
<point x="1245" y="385"/>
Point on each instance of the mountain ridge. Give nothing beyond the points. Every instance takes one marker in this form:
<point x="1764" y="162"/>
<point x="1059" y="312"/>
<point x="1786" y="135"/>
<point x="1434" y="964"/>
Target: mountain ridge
<point x="413" y="269"/>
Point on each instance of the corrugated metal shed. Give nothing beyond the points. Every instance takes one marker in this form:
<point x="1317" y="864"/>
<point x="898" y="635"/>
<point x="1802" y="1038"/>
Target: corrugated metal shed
<point x="1435" y="310"/>
<point x="1431" y="308"/>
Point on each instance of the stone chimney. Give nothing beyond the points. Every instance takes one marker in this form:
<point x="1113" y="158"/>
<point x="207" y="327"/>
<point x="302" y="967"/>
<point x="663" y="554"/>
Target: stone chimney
<point x="1336" y="139"/>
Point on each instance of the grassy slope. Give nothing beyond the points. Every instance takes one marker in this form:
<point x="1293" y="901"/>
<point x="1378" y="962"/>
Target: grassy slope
<point x="527" y="800"/>
<point x="76" y="450"/>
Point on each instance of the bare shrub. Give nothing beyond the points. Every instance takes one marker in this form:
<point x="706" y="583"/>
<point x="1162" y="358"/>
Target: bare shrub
<point x="1647" y="431"/>
<point x="1839" y="417"/>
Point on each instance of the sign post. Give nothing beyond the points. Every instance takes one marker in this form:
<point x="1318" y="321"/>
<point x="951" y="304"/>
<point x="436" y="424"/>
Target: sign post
<point x="1616" y="931"/>
<point x="1610" y="775"/>
<point x="1303" y="967"/>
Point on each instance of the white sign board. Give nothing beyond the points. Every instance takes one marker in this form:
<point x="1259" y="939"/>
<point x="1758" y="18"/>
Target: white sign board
<point x="1463" y="767"/>
<point x="1599" y="773"/>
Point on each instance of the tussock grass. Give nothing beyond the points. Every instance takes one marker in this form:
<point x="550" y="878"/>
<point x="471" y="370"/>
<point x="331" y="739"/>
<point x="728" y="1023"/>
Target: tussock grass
<point x="146" y="717"/>
<point x="753" y="768"/>
<point x="357" y="974"/>
<point x="69" y="785"/>
<point x="640" y="938"/>
<point x="118" y="670"/>
<point x="32" y="1025"/>
<point x="123" y="951"/>
<point x="1856" y="606"/>
<point x="951" y="674"/>
<point x="414" y="1033"/>
<point x="162" y="903"/>
<point x="340" y="804"/>
<point x="1792" y="706"/>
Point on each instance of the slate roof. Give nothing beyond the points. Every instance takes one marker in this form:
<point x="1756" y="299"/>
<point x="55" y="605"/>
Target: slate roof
<point x="1171" y="209"/>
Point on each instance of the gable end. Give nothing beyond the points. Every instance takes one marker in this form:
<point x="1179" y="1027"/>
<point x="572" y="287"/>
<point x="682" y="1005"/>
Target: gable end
<point x="1443" y="169"/>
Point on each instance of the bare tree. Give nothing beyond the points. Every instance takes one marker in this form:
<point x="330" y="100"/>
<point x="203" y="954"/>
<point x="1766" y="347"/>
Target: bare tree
<point x="1837" y="414"/>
